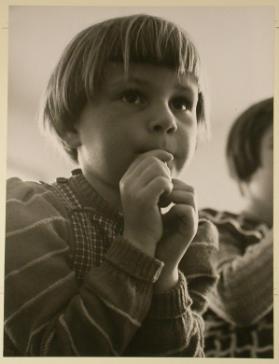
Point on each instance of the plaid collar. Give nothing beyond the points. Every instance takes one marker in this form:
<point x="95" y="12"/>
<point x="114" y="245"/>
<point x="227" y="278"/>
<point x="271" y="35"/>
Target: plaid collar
<point x="89" y="197"/>
<point x="94" y="223"/>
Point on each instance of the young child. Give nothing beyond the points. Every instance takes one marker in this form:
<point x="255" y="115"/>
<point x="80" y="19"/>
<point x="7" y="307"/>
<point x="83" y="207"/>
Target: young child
<point x="240" y="320"/>
<point x="91" y="260"/>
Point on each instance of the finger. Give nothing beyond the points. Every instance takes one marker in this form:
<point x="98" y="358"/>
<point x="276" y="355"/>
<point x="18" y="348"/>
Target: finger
<point x="154" y="168"/>
<point x="178" y="197"/>
<point x="183" y="197"/>
<point x="164" y="200"/>
<point x="140" y="161"/>
<point x="177" y="194"/>
<point x="161" y="154"/>
<point x="181" y="214"/>
<point x="145" y="171"/>
<point x="155" y="188"/>
<point x="181" y="185"/>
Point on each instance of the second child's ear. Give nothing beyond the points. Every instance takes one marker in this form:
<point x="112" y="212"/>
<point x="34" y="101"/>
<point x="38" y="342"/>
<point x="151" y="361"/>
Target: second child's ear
<point x="72" y="139"/>
<point x="242" y="188"/>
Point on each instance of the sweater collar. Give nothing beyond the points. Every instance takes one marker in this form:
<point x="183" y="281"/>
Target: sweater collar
<point x="89" y="197"/>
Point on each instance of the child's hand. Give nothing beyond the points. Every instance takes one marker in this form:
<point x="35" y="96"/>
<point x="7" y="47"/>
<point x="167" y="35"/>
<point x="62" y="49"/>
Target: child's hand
<point x="141" y="186"/>
<point x="180" y="226"/>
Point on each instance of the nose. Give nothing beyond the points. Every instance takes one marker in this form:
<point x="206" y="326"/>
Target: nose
<point x="162" y="121"/>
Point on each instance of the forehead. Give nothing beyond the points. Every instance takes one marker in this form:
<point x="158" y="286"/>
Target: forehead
<point x="149" y="75"/>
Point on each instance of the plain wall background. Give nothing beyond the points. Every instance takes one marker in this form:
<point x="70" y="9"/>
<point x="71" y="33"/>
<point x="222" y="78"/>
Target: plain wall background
<point x="236" y="48"/>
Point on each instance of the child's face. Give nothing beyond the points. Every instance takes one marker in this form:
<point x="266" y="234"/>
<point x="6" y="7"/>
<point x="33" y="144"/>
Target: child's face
<point x="261" y="183"/>
<point x="151" y="109"/>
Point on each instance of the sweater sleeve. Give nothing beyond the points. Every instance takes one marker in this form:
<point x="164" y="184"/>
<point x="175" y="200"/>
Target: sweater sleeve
<point x="244" y="291"/>
<point x="46" y="312"/>
<point x="171" y="327"/>
<point x="199" y="264"/>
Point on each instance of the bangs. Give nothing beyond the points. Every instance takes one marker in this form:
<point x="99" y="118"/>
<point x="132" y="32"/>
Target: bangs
<point x="143" y="39"/>
<point x="159" y="43"/>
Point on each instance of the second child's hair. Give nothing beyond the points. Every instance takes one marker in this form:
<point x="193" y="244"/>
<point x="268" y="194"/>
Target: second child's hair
<point x="136" y="38"/>
<point x="243" y="149"/>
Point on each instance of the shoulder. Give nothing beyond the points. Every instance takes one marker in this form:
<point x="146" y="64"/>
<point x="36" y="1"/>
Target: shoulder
<point x="31" y="203"/>
<point x="25" y="191"/>
<point x="218" y="216"/>
<point x="36" y="226"/>
<point x="224" y="218"/>
<point x="234" y="224"/>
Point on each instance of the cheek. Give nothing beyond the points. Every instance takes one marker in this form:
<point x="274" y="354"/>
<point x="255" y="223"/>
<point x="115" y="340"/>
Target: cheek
<point x="186" y="147"/>
<point x="267" y="172"/>
<point x="268" y="176"/>
<point x="263" y="184"/>
<point x="267" y="191"/>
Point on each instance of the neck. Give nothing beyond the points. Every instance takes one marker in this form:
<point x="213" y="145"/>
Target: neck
<point x="109" y="192"/>
<point x="259" y="212"/>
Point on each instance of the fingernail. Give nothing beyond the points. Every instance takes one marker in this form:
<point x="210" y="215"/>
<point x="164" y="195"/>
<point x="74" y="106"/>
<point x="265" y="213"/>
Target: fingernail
<point x="171" y="156"/>
<point x="168" y="168"/>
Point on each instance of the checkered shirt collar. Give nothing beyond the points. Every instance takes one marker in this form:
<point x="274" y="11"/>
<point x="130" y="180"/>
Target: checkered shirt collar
<point x="89" y="198"/>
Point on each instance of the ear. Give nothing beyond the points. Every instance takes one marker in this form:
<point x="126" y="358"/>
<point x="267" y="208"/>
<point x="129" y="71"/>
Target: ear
<point x="72" y="139"/>
<point x="243" y="188"/>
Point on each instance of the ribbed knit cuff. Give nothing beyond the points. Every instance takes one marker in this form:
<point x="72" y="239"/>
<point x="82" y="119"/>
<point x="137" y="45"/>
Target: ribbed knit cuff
<point x="133" y="261"/>
<point x="172" y="303"/>
<point x="201" y="257"/>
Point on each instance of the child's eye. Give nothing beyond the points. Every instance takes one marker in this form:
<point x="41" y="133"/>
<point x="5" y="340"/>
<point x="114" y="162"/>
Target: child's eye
<point x="181" y="104"/>
<point x="132" y="97"/>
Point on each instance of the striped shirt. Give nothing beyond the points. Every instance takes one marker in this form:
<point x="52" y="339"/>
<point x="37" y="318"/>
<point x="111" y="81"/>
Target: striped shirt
<point x="239" y="321"/>
<point x="75" y="287"/>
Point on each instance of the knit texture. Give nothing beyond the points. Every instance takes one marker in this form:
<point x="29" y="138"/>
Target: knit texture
<point x="239" y="321"/>
<point x="75" y="287"/>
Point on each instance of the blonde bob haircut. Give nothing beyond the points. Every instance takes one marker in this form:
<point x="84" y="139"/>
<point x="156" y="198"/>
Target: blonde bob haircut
<point x="129" y="39"/>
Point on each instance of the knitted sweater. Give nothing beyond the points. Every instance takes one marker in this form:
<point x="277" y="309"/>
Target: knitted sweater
<point x="74" y="286"/>
<point x="239" y="321"/>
